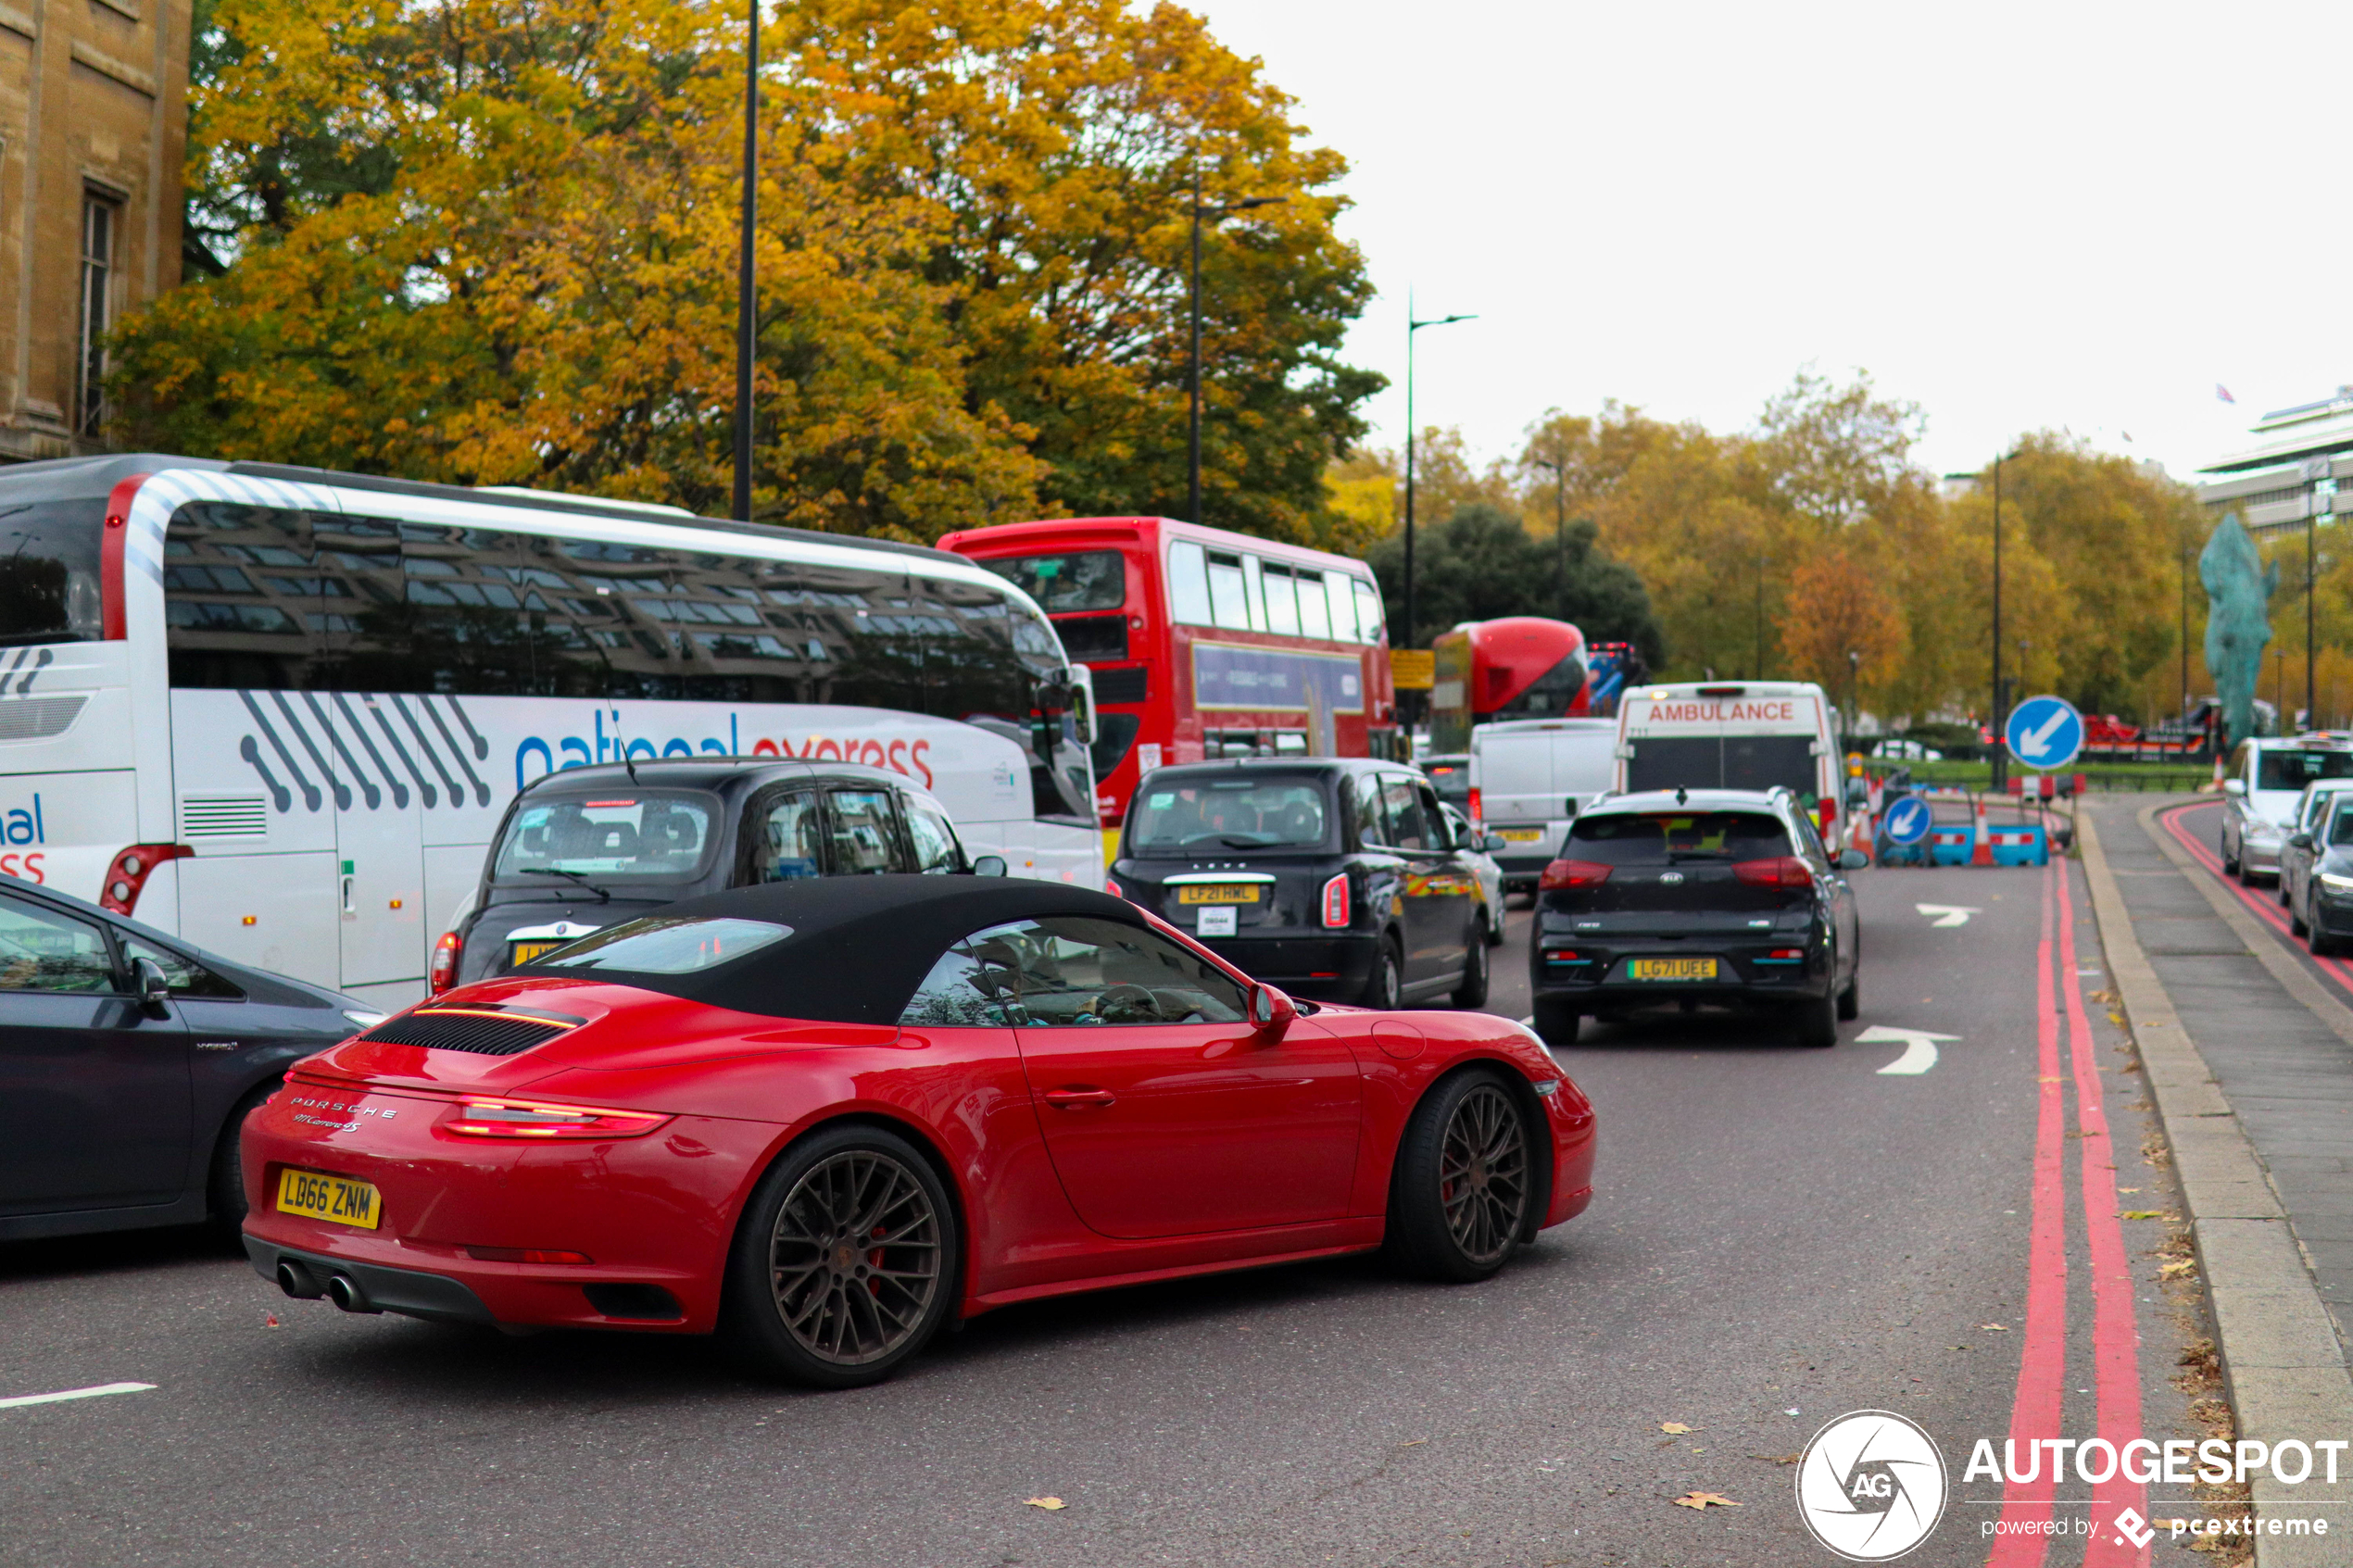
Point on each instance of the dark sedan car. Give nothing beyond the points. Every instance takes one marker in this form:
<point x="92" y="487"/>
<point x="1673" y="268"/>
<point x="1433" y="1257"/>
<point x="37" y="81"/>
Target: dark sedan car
<point x="1337" y="878"/>
<point x="128" y="1062"/>
<point x="1722" y="897"/>
<point x="2322" y="856"/>
<point x="591" y="848"/>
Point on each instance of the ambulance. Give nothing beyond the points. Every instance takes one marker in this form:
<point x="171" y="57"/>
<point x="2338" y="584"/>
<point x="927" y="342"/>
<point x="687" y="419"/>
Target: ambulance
<point x="1731" y="734"/>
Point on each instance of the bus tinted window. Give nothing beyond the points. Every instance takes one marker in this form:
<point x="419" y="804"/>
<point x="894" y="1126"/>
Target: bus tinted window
<point x="260" y="597"/>
<point x="49" y="590"/>
<point x="1087" y="580"/>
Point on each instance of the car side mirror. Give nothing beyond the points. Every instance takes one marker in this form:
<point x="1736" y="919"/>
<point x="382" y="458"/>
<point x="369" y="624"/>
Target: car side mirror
<point x="1852" y="859"/>
<point x="2235" y="786"/>
<point x="1490" y="842"/>
<point x="989" y="865"/>
<point x="154" y="988"/>
<point x="1271" y="1011"/>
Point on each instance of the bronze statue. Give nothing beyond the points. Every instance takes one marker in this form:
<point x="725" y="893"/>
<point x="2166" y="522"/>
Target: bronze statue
<point x="2238" y="591"/>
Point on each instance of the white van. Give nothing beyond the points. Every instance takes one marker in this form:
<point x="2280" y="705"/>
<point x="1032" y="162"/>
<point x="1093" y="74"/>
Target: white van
<point x="1747" y="734"/>
<point x="1528" y="779"/>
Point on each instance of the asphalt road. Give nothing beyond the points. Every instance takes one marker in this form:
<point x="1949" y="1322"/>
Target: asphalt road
<point x="1779" y="1235"/>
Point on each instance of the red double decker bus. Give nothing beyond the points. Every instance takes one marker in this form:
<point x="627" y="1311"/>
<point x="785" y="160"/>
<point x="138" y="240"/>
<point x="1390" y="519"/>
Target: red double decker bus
<point x="1519" y="667"/>
<point x="1202" y="643"/>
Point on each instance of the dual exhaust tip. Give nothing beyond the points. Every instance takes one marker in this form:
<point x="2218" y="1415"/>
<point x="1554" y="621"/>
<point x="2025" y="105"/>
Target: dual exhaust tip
<point x="297" y="1281"/>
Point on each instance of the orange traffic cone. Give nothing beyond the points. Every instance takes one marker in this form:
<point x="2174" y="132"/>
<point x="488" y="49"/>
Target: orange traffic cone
<point x="1984" y="854"/>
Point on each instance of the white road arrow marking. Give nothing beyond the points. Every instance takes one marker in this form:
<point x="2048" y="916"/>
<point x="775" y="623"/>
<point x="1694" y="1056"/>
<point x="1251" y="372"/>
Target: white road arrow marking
<point x="2038" y="741"/>
<point x="1920" y="1049"/>
<point x="76" y="1394"/>
<point x="1946" y="914"/>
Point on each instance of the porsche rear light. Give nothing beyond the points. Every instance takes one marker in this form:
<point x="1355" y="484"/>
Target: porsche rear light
<point x="476" y="1117"/>
<point x="1336" y="903"/>
<point x="127" y="877"/>
<point x="443" y="972"/>
<point x="1573" y="873"/>
<point x="1783" y="870"/>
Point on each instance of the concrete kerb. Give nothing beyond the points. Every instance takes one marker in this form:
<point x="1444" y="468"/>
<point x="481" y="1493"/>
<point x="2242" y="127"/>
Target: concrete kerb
<point x="2282" y="1367"/>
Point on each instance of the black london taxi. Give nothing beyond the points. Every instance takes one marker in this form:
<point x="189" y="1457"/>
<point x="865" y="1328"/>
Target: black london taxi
<point x="589" y="847"/>
<point x="1339" y="879"/>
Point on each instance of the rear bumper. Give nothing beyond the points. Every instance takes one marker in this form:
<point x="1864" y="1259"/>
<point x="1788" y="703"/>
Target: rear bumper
<point x="1321" y="968"/>
<point x="1599" y="981"/>
<point x="409" y="1292"/>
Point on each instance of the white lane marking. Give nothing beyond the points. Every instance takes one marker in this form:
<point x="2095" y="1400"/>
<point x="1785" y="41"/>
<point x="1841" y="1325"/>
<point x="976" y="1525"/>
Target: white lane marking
<point x="1946" y="914"/>
<point x="92" y="1393"/>
<point x="1920" y="1048"/>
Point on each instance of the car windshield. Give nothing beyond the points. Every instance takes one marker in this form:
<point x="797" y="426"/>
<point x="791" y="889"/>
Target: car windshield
<point x="667" y="945"/>
<point x="629" y="834"/>
<point x="1088" y="580"/>
<point x="2293" y="769"/>
<point x="1254" y="811"/>
<point x="1663" y="838"/>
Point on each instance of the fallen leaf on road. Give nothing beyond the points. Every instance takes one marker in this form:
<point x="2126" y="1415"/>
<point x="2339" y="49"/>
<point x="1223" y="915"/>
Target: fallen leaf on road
<point x="1994" y="1327"/>
<point x="2175" y="1270"/>
<point x="1051" y="1505"/>
<point x="2142" y="1214"/>
<point x="1779" y="1459"/>
<point x="1414" y="1444"/>
<point x="1704" y="1500"/>
<point x="1676" y="1427"/>
<point x="270" y="1320"/>
<point x="2128" y="1189"/>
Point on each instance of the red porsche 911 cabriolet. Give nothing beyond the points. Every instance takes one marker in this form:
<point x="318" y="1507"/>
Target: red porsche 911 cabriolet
<point x="819" y="1117"/>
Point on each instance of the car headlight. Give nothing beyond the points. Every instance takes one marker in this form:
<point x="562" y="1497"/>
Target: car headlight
<point x="2263" y="829"/>
<point x="2340" y="886"/>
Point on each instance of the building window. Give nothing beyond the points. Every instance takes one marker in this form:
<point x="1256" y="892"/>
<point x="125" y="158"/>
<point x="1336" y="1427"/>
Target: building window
<point x="100" y="219"/>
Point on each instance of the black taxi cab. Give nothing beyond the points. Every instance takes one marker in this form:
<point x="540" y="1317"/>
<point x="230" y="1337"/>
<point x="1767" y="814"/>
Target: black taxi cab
<point x="1339" y="879"/>
<point x="589" y="847"/>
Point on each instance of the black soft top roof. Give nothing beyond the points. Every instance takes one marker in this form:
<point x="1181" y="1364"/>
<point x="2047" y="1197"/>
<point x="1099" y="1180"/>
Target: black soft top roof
<point x="860" y="946"/>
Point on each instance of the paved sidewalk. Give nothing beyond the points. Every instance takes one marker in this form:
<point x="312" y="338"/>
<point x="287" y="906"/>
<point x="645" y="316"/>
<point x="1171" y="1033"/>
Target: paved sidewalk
<point x="2284" y="1071"/>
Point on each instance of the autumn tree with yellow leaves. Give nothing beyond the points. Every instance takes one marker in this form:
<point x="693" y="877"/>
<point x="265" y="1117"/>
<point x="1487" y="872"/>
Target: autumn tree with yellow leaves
<point x="494" y="243"/>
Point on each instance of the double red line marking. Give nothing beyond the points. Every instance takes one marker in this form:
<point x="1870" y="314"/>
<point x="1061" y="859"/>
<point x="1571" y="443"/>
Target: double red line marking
<point x="2266" y="909"/>
<point x="2036" y="1410"/>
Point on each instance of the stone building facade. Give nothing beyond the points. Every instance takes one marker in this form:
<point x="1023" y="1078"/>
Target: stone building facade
<point x="93" y="128"/>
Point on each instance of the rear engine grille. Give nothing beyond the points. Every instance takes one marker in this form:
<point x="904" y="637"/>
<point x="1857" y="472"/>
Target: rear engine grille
<point x="460" y="1029"/>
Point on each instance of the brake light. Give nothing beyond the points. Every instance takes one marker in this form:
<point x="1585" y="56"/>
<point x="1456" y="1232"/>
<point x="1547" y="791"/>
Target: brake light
<point x="1335" y="902"/>
<point x="1573" y="873"/>
<point x="1824" y="810"/>
<point x="533" y="1119"/>
<point x="1783" y="870"/>
<point x="1478" y="809"/>
<point x="128" y="877"/>
<point x="443" y="971"/>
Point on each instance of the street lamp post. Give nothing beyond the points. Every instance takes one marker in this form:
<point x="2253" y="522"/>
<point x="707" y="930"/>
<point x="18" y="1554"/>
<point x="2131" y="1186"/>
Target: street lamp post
<point x="744" y="302"/>
<point x="1853" y="703"/>
<point x="1192" y="444"/>
<point x="1758" y="673"/>
<point x="2001" y="771"/>
<point x="1560" y="518"/>
<point x="1414" y="325"/>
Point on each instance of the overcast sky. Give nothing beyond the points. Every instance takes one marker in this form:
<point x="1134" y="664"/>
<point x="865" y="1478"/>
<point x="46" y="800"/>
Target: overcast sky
<point x="2019" y="216"/>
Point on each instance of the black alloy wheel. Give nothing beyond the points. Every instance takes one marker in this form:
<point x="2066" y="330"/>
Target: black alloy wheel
<point x="1460" y="1196"/>
<point x="1472" y="993"/>
<point x="844" y="1264"/>
<point x="1814" y="1021"/>
<point x="1384" y="986"/>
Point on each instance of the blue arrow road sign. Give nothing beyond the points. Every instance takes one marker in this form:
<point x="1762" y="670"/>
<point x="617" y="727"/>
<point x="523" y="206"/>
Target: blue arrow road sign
<point x="2044" y="732"/>
<point x="1908" y="821"/>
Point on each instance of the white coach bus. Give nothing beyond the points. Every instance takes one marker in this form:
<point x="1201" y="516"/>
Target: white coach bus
<point x="281" y="712"/>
